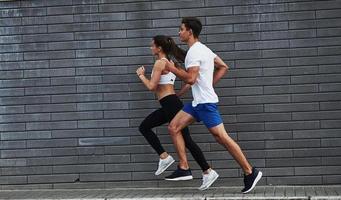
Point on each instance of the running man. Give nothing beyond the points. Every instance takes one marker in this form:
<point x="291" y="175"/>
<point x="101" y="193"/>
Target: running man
<point x="203" y="70"/>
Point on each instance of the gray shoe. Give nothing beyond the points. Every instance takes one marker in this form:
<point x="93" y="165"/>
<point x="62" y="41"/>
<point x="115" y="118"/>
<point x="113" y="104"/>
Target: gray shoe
<point x="208" y="179"/>
<point x="164" y="164"/>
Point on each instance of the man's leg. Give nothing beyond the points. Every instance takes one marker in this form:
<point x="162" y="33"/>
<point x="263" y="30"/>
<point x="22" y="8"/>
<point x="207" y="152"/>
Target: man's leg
<point x="231" y="146"/>
<point x="179" y="122"/>
<point x="252" y="175"/>
<point x="211" y="118"/>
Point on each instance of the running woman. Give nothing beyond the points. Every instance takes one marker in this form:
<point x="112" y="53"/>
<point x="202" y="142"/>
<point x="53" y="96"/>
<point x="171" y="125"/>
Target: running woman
<point x="162" y="83"/>
<point x="204" y="69"/>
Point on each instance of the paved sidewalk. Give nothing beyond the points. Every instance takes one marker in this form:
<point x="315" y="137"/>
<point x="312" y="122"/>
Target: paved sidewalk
<point x="219" y="193"/>
<point x="261" y="192"/>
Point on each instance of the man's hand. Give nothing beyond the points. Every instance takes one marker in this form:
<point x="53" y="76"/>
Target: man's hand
<point x="170" y="66"/>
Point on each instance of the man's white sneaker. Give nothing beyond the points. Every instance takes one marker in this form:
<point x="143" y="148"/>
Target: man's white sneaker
<point x="164" y="164"/>
<point x="208" y="179"/>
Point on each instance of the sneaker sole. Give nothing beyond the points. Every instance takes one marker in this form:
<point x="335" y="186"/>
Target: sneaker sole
<point x="182" y="178"/>
<point x="259" y="176"/>
<point x="164" y="169"/>
<point x="213" y="180"/>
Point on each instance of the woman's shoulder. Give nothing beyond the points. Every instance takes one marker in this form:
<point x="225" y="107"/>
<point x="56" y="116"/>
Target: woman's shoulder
<point x="161" y="61"/>
<point x="160" y="64"/>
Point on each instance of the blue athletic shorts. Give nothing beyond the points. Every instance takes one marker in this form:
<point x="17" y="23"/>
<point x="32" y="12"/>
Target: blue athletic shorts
<point x="207" y="113"/>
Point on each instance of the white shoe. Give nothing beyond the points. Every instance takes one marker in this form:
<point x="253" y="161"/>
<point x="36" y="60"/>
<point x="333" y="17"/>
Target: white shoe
<point x="208" y="179"/>
<point x="164" y="164"/>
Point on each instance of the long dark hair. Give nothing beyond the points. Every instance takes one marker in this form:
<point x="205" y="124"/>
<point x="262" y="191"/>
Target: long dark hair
<point x="170" y="48"/>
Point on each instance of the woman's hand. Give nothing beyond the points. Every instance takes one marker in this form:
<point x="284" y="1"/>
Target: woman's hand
<point x="140" y="71"/>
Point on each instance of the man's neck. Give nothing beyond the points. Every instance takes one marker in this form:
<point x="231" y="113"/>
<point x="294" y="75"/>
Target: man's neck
<point x="191" y="41"/>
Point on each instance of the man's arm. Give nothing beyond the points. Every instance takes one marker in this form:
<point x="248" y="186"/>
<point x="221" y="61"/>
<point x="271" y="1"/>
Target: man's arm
<point x="190" y="76"/>
<point x="184" y="88"/>
<point x="220" y="69"/>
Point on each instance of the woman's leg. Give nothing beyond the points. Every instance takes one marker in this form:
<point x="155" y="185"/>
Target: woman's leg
<point x="195" y="150"/>
<point x="156" y="118"/>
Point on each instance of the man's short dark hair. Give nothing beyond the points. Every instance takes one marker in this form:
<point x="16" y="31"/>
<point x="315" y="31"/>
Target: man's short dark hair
<point x="194" y="24"/>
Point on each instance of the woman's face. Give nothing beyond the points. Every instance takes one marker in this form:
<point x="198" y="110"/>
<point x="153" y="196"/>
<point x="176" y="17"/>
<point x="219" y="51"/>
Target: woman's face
<point x="155" y="49"/>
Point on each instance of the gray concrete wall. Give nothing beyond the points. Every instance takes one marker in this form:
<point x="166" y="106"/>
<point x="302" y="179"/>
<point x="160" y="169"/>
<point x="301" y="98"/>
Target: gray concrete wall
<point x="70" y="101"/>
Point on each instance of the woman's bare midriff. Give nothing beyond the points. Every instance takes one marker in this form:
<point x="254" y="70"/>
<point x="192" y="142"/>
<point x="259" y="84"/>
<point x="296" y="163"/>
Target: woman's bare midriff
<point x="164" y="90"/>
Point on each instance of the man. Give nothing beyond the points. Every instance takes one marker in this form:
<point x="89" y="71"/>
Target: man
<point x="203" y="70"/>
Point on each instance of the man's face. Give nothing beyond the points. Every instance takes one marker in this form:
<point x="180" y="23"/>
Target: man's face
<point x="184" y="33"/>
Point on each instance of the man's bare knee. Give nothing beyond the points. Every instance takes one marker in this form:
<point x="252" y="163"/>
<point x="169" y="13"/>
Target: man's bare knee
<point x="218" y="138"/>
<point x="173" y="129"/>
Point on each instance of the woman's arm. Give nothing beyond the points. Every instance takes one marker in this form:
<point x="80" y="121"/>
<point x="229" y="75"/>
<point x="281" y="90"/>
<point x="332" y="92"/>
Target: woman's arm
<point x="154" y="80"/>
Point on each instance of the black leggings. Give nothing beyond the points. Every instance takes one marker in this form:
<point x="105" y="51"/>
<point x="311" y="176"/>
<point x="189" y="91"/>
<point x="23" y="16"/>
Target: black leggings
<point x="170" y="106"/>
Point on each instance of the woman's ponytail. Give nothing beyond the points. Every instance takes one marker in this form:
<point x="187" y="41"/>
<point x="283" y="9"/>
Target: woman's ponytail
<point x="170" y="48"/>
<point x="178" y="53"/>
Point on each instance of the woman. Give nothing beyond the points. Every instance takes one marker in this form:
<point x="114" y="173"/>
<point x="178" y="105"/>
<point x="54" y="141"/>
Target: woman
<point x="162" y="83"/>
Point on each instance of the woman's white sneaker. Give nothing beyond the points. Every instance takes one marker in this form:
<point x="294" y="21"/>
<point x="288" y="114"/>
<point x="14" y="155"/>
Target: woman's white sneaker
<point x="208" y="179"/>
<point x="164" y="164"/>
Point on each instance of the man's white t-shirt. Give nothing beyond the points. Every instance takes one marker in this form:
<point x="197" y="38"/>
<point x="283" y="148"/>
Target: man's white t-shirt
<point x="200" y="55"/>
